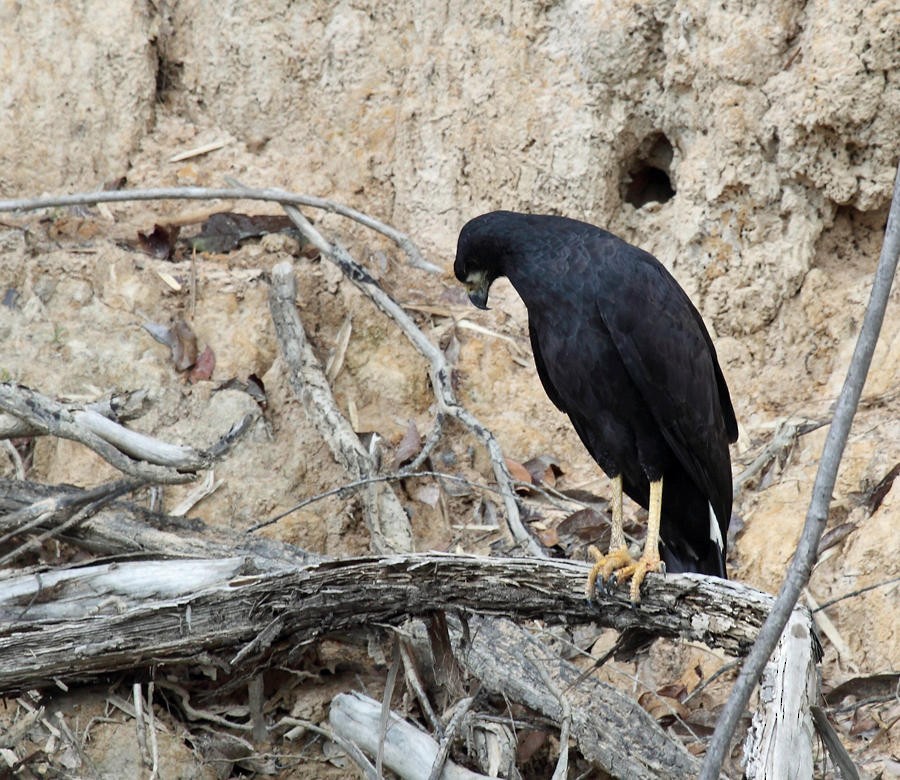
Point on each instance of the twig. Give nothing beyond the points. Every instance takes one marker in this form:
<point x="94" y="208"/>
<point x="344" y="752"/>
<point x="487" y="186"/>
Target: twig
<point x="243" y="193"/>
<point x="139" y="726"/>
<point x="344" y="490"/>
<point x="827" y="627"/>
<point x="124" y="528"/>
<point x="439" y="370"/>
<point x="255" y="700"/>
<point x="805" y="556"/>
<point x="117" y="406"/>
<point x="440" y="760"/>
<point x="411" y="673"/>
<point x="195" y="714"/>
<point x="37" y="513"/>
<point x="348" y="746"/>
<point x="14" y="456"/>
<point x="832" y="741"/>
<point x="431" y="441"/>
<point x="855" y="593"/>
<point x="562" y="763"/>
<point x="703" y="684"/>
<point x="112" y="492"/>
<point x="151" y="723"/>
<point x="387" y="522"/>
<point x="389" y="686"/>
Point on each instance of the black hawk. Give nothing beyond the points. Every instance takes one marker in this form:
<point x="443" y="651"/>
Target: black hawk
<point x="620" y="348"/>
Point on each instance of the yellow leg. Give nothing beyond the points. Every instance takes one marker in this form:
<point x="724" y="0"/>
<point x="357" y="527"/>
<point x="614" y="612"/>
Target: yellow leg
<point x="649" y="561"/>
<point x="618" y="555"/>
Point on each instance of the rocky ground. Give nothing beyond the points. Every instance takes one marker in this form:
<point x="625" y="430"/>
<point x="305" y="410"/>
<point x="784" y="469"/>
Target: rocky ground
<point x="766" y="138"/>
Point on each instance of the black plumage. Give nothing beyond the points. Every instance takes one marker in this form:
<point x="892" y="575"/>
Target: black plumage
<point x="621" y="349"/>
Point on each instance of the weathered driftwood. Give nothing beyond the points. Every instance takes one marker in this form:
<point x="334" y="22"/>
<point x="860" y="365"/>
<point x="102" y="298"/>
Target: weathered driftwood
<point x="124" y="528"/>
<point x="91" y="623"/>
<point x="780" y="740"/>
<point x="408" y="752"/>
<point x="118" y="406"/>
<point x="611" y="729"/>
<point x="133" y="453"/>
<point x="385" y="518"/>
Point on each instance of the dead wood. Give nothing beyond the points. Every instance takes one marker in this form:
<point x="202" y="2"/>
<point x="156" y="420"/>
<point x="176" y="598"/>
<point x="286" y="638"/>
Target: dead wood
<point x="118" y="407"/>
<point x="133" y="453"/>
<point x="439" y="372"/>
<point x="124" y="528"/>
<point x="386" y="520"/>
<point x="610" y="728"/>
<point x="414" y="256"/>
<point x="408" y="752"/>
<point x="780" y="740"/>
<point x="804" y="558"/>
<point x="98" y="619"/>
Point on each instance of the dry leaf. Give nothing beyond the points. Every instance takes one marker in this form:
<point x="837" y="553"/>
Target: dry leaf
<point x="836" y="535"/>
<point x="202" y="369"/>
<point x="544" y="470"/>
<point x="408" y="447"/>
<point x="179" y="337"/>
<point x="674" y="690"/>
<point x="160" y="243"/>
<point x="883" y="488"/>
<point x="587" y="524"/>
<point x="520" y="474"/>
<point x="662" y="708"/>
<point x="225" y="230"/>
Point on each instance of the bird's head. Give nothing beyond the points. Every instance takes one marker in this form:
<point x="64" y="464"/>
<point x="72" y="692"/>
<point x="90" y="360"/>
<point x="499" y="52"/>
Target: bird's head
<point x="479" y="256"/>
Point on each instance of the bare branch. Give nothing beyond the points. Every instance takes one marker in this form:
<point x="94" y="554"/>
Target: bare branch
<point x="135" y="454"/>
<point x="117" y="407"/>
<point x="387" y="522"/>
<point x="243" y="193"/>
<point x="103" y="496"/>
<point x="439" y="370"/>
<point x="817" y="515"/>
<point x="103" y="436"/>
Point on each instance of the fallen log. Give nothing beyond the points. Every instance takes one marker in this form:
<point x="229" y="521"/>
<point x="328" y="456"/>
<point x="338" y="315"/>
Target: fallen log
<point x="97" y="619"/>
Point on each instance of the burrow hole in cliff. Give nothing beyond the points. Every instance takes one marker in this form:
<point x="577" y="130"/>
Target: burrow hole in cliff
<point x="646" y="176"/>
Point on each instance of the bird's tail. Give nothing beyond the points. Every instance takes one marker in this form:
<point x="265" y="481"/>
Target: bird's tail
<point x="700" y="552"/>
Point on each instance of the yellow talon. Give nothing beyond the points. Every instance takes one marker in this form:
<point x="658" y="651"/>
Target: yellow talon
<point x="618" y="562"/>
<point x="606" y="565"/>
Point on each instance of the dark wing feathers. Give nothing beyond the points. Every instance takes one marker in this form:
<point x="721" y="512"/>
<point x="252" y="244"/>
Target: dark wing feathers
<point x="549" y="387"/>
<point x="668" y="354"/>
<point x="620" y="348"/>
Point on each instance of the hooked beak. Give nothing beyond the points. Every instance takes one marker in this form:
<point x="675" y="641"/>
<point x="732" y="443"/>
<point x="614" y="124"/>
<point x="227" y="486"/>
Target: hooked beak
<point x="478" y="285"/>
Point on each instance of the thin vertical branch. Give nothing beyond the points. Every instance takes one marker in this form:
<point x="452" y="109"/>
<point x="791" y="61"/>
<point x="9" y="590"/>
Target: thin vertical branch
<point x="806" y="554"/>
